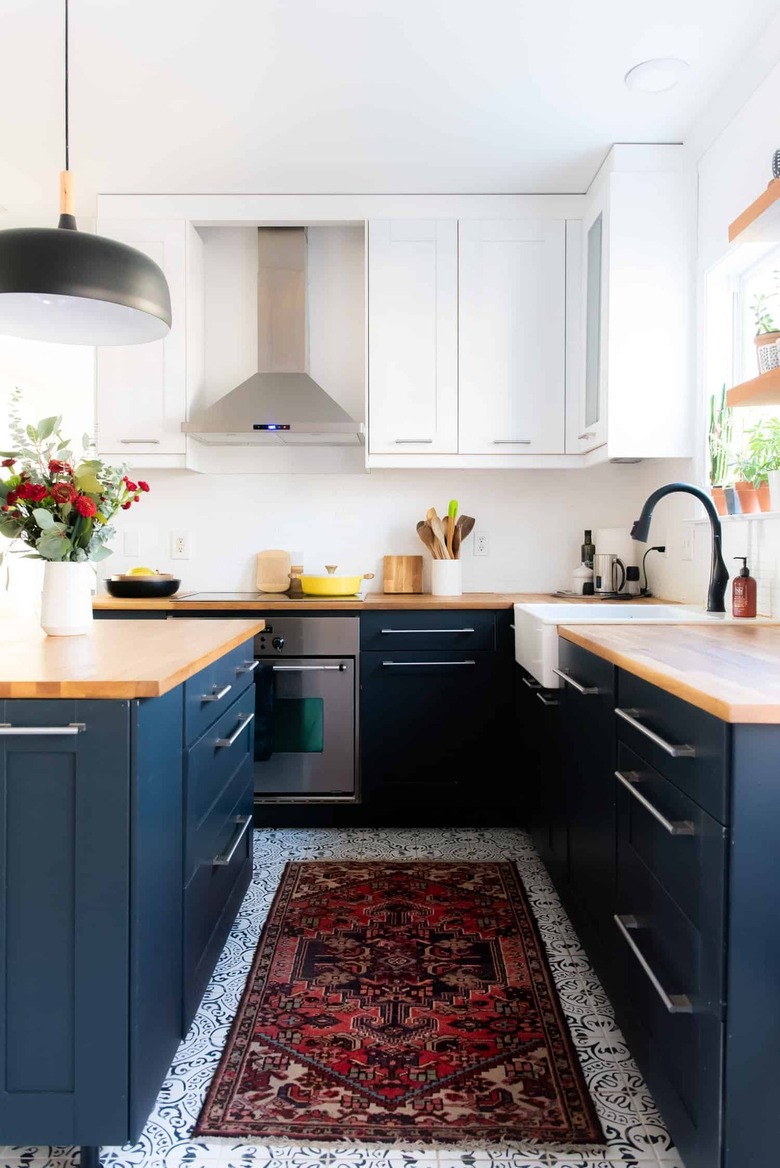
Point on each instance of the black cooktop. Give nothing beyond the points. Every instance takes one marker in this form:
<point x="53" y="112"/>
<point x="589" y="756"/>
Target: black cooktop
<point x="260" y="598"/>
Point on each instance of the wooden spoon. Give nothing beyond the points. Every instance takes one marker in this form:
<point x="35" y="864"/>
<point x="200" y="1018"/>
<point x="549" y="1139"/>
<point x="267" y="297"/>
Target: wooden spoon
<point x="429" y="539"/>
<point x="466" y="525"/>
<point x="438" y="531"/>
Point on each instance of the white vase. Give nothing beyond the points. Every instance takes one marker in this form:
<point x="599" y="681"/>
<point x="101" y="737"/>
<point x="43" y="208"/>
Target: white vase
<point x="66" y="601"/>
<point x="446" y="578"/>
<point x="773" y="478"/>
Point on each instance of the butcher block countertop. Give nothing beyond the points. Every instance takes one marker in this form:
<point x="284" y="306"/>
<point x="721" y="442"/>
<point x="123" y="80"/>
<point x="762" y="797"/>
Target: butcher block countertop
<point x="731" y="671"/>
<point x="373" y="601"/>
<point x="117" y="659"/>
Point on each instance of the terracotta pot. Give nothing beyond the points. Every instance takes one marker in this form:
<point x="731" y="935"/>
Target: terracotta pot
<point x="764" y="498"/>
<point x="719" y="499"/>
<point x="748" y="497"/>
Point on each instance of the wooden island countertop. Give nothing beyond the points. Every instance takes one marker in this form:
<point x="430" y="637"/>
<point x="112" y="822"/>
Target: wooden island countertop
<point x="117" y="659"/>
<point x="729" y="670"/>
<point x="372" y="602"/>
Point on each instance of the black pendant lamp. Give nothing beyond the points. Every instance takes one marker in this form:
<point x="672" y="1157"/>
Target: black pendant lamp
<point x="61" y="284"/>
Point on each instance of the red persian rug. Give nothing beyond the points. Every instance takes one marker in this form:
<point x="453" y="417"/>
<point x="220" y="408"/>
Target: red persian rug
<point x="400" y="1002"/>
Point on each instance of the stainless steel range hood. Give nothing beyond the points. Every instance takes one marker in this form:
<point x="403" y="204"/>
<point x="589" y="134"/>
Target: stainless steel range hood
<point x="280" y="404"/>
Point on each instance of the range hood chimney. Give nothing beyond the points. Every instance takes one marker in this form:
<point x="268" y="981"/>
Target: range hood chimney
<point x="280" y="404"/>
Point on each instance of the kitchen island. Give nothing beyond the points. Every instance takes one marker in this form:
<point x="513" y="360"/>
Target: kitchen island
<point x="125" y="843"/>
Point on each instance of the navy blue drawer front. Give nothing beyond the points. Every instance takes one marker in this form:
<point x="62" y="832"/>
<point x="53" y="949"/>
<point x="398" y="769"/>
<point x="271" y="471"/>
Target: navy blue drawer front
<point x="211" y="762"/>
<point x="206" y="820"/>
<point x="214" y="893"/>
<point x="684" y="743"/>
<point x="585" y="669"/>
<point x="425" y="630"/>
<point x="680" y="844"/>
<point x="209" y="692"/>
<point x="671" y="976"/>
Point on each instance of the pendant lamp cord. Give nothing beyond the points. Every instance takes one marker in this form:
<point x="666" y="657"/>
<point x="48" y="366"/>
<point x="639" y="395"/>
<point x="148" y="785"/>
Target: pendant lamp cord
<point x="67" y="120"/>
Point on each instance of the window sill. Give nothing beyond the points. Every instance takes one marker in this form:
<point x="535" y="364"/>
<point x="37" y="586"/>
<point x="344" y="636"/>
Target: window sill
<point x="742" y="517"/>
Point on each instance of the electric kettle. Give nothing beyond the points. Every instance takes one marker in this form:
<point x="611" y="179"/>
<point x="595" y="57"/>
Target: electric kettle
<point x="606" y="567"/>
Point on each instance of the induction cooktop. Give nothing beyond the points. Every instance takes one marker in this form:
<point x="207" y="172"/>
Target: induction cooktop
<point x="260" y="598"/>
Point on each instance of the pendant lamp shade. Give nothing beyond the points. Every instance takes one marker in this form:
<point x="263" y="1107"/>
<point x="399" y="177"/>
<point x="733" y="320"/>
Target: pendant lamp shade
<point x="60" y="284"/>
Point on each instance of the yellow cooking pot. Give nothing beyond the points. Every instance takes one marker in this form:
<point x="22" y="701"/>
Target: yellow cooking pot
<point x="332" y="585"/>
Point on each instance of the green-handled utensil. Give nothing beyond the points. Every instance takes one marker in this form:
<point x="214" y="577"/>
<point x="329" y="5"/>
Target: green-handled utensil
<point x="452" y="514"/>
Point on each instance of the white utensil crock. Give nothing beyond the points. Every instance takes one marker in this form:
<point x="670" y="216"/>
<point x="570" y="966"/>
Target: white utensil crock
<point x="446" y="578"/>
<point x="66" y="601"/>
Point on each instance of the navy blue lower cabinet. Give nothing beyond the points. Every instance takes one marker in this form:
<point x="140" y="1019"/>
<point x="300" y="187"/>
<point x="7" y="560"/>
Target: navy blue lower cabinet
<point x="537" y="762"/>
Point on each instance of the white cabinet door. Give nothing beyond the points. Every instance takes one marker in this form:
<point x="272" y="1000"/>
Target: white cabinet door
<point x="587" y="397"/>
<point x="141" y="389"/>
<point x="412" y="336"/>
<point x="512" y="336"/>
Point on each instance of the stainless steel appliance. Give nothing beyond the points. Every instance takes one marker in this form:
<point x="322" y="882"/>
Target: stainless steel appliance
<point x="605" y="571"/>
<point x="306" y="697"/>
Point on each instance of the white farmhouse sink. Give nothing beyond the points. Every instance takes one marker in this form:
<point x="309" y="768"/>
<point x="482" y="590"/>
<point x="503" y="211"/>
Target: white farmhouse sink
<point x="536" y="627"/>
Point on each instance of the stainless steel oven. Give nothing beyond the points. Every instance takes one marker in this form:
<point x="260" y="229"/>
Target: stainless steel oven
<point x="306" y="700"/>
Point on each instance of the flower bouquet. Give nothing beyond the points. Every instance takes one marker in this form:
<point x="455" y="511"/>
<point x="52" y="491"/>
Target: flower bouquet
<point x="60" y="507"/>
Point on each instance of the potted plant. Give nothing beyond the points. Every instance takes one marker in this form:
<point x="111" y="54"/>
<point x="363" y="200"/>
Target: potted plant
<point x="748" y="474"/>
<point x="763" y="443"/>
<point x="767" y="334"/>
<point x="59" y="507"/>
<point x="719" y="443"/>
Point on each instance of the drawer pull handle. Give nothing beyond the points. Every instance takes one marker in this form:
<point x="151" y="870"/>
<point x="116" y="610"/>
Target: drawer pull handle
<point x="587" y="434"/>
<point x="217" y="695"/>
<point x="547" y="701"/>
<point x="242" y="823"/>
<point x="247" y="667"/>
<point x="629" y="780"/>
<point x="429" y="663"/>
<point x="308" y="668"/>
<point x="681" y="750"/>
<point x="145" y="441"/>
<point x="588" y="690"/>
<point x="531" y="683"/>
<point x="413" y="441"/>
<point x="427" y="630"/>
<point x="243" y="722"/>
<point x="512" y="441"/>
<point x="8" y="731"/>
<point x="674" y="1003"/>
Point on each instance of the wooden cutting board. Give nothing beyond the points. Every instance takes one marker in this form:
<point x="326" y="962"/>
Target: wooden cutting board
<point x="403" y="574"/>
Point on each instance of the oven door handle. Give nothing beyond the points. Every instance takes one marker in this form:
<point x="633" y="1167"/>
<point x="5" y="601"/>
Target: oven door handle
<point x="307" y="668"/>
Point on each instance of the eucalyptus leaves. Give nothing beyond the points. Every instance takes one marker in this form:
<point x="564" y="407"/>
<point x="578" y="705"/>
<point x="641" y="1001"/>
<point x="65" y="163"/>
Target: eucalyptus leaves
<point x="59" y="505"/>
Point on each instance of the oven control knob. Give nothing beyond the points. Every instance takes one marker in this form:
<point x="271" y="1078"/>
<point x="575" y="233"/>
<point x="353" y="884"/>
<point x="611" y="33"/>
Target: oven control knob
<point x="278" y="643"/>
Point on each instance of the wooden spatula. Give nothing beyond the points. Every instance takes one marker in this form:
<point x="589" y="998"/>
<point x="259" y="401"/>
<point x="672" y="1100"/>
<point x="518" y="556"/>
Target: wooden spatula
<point x="438" y="532"/>
<point x="429" y="539"/>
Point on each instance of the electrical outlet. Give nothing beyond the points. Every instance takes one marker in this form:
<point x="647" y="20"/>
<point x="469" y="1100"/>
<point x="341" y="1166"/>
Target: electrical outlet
<point x="481" y="544"/>
<point x="180" y="545"/>
<point x="686" y="544"/>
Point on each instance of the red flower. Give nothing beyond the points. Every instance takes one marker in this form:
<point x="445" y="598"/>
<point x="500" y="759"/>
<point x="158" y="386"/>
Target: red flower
<point x="8" y="462"/>
<point x="57" y="467"/>
<point x="130" y="486"/>
<point x="126" y="506"/>
<point x="63" y="493"/>
<point x="85" y="506"/>
<point x="11" y="497"/>
<point x="32" y="492"/>
<point x="143" y="486"/>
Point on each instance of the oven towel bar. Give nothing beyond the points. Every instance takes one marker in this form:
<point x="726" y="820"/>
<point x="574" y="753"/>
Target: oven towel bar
<point x="265" y="695"/>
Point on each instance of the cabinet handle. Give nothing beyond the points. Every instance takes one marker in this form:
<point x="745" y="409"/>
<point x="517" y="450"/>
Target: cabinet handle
<point x="675" y="1003"/>
<point x="427" y="630"/>
<point x="531" y="683"/>
<point x="8" y="731"/>
<point x="216" y="695"/>
<point x="680" y="750"/>
<point x="413" y="441"/>
<point x="547" y="701"/>
<point x="243" y="722"/>
<point x="242" y="823"/>
<point x="308" y="668"/>
<point x="145" y="441"/>
<point x="588" y="690"/>
<point x="247" y="667"/>
<point x="587" y="434"/>
<point x="681" y="827"/>
<point x="429" y="663"/>
<point x="512" y="441"/>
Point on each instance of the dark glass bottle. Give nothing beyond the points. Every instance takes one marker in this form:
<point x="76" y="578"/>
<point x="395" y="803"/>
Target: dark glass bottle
<point x="588" y="550"/>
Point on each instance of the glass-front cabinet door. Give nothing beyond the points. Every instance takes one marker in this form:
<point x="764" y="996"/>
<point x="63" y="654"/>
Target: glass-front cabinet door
<point x="591" y="430"/>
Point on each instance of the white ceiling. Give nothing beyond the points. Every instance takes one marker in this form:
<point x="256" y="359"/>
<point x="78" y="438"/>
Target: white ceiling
<point x="349" y="95"/>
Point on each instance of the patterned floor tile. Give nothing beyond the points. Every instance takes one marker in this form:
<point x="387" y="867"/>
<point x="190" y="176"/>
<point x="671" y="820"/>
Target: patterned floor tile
<point x="636" y="1136"/>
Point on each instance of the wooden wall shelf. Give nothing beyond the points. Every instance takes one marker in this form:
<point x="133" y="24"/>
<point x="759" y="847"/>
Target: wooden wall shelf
<point x="761" y="220"/>
<point x="763" y="390"/>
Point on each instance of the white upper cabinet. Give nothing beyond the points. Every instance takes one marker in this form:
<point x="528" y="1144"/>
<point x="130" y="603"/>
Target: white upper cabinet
<point x="637" y="315"/>
<point x="512" y="336"/>
<point x="412" y="336"/>
<point x="141" y="390"/>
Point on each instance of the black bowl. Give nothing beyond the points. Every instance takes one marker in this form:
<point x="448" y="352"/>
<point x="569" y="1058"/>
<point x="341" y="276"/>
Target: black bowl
<point x="142" y="588"/>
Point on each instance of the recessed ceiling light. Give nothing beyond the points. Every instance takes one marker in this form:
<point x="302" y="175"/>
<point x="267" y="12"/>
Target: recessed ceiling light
<point x="657" y="75"/>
